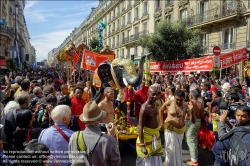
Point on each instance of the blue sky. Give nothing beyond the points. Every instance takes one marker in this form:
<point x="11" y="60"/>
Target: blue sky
<point x="50" y="22"/>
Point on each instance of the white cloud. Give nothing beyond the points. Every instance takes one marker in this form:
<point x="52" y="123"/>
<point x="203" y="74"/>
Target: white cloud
<point x="65" y="18"/>
<point x="44" y="43"/>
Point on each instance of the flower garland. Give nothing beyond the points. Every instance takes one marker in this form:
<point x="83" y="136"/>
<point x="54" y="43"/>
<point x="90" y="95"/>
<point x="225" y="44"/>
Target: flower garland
<point x="147" y="71"/>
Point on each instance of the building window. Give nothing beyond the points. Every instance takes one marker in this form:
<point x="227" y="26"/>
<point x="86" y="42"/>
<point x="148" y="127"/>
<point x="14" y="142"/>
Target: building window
<point x="117" y="54"/>
<point x="109" y="41"/>
<point x="113" y="45"/>
<point x="122" y="53"/>
<point x="136" y="51"/>
<point x="136" y="13"/>
<point x="158" y="3"/>
<point x="145" y="7"/>
<point x="118" y="40"/>
<point x="227" y="38"/>
<point x="183" y="14"/>
<point x="145" y="26"/>
<point x="128" y="53"/>
<point x="129" y="17"/>
<point x="169" y="2"/>
<point x="123" y="20"/>
<point x="118" y="23"/>
<point x="204" y="42"/>
<point x="169" y="18"/>
<point x="202" y="11"/>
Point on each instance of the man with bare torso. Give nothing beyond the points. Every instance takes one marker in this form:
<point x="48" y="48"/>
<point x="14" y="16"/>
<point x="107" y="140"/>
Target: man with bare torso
<point x="175" y="126"/>
<point x="148" y="144"/>
<point x="193" y="128"/>
<point x="107" y="105"/>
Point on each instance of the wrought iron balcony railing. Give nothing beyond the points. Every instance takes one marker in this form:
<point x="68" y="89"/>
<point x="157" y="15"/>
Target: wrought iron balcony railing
<point x="225" y="10"/>
<point x="157" y="9"/>
<point x="145" y="13"/>
<point x="134" y="37"/>
<point x="228" y="46"/>
<point x="136" y="18"/>
<point x="6" y="30"/>
<point x="169" y="3"/>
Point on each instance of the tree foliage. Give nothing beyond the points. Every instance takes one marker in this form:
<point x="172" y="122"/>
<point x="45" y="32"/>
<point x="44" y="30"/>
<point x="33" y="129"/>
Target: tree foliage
<point x="173" y="41"/>
<point x="93" y="44"/>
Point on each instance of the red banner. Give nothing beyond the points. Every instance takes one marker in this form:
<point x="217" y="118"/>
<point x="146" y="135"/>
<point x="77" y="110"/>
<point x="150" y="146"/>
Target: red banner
<point x="91" y="60"/>
<point x="233" y="57"/>
<point x="196" y="64"/>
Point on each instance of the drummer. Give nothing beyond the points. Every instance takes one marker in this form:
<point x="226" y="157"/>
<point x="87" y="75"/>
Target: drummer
<point x="107" y="105"/>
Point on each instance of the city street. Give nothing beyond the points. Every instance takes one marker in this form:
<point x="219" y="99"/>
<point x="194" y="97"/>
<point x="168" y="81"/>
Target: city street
<point x="128" y="155"/>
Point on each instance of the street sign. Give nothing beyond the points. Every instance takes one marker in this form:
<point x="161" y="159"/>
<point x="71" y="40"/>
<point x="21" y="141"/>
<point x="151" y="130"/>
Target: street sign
<point x="216" y="50"/>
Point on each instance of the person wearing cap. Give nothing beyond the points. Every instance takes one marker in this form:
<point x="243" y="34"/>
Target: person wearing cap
<point x="191" y="79"/>
<point x="57" y="136"/>
<point x="103" y="147"/>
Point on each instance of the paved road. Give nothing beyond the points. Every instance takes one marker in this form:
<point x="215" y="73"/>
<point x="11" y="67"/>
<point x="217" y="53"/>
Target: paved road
<point x="128" y="155"/>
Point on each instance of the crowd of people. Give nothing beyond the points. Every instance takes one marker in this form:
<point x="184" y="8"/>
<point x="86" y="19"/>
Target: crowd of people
<point x="47" y="114"/>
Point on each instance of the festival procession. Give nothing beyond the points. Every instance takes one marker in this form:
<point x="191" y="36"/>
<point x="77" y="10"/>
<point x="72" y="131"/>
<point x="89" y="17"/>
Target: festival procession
<point x="168" y="102"/>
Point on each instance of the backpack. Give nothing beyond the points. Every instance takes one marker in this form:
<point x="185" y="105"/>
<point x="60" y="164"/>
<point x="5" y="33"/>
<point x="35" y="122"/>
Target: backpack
<point x="81" y="146"/>
<point x="239" y="152"/>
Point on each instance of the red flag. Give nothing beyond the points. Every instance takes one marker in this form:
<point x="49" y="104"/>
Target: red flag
<point x="91" y="60"/>
<point x="76" y="58"/>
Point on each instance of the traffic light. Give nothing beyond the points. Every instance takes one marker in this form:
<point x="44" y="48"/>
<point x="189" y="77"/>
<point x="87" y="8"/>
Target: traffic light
<point x="132" y="57"/>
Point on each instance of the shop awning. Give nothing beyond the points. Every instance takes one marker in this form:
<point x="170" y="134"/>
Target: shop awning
<point x="199" y="64"/>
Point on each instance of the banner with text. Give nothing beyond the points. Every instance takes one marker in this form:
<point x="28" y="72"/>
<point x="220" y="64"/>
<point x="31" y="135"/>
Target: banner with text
<point x="233" y="58"/>
<point x="196" y="64"/>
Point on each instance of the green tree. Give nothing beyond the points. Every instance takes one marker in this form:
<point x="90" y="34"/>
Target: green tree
<point x="173" y="41"/>
<point x="93" y="44"/>
<point x="11" y="64"/>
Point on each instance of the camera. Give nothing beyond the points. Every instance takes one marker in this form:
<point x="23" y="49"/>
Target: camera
<point x="44" y="106"/>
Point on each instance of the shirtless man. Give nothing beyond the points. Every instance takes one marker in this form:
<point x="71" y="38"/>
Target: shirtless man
<point x="192" y="129"/>
<point x="107" y="105"/>
<point x="175" y="126"/>
<point x="148" y="144"/>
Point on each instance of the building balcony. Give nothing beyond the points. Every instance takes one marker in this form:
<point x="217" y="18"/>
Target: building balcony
<point x="228" y="46"/>
<point x="123" y="41"/>
<point x="136" y="18"/>
<point x="158" y="9"/>
<point x="129" y="5"/>
<point x="217" y="14"/>
<point x="145" y="13"/>
<point x="117" y="28"/>
<point x="134" y="37"/>
<point x="6" y="31"/>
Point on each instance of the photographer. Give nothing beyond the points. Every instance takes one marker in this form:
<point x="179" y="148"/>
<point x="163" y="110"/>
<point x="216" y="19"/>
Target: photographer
<point x="225" y="133"/>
